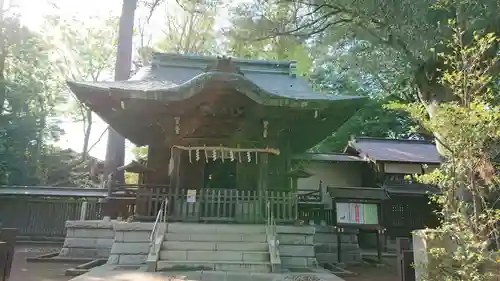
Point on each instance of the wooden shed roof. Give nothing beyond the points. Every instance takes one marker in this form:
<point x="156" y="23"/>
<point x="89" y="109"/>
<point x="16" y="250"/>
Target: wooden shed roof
<point x="395" y="150"/>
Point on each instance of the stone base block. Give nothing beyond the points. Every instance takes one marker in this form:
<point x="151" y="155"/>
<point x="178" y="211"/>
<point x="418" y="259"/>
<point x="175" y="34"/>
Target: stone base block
<point x="296" y="250"/>
<point x="288" y="262"/>
<point x="122" y="248"/>
<point x="84" y="253"/>
<point x="88" y="239"/>
<point x="323" y="258"/>
<point x="126" y="259"/>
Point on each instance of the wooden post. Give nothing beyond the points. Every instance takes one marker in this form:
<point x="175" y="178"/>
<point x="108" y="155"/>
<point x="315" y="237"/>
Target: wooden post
<point x="263" y="182"/>
<point x="110" y="207"/>
<point x="158" y="161"/>
<point x="7" y="235"/>
<point x="4" y="273"/>
<point x="402" y="244"/>
<point x="407" y="266"/>
<point x="83" y="210"/>
<point x="339" y="244"/>
<point x="379" y="246"/>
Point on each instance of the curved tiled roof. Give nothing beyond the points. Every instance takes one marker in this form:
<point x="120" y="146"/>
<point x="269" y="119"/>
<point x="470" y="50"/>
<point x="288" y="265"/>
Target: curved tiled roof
<point x="171" y="78"/>
<point x="175" y="77"/>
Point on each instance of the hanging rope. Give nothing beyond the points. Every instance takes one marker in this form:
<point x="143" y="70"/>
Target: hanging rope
<point x="206" y="148"/>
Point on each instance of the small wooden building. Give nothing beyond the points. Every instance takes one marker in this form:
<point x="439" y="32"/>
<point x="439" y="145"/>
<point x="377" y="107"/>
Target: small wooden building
<point x="372" y="171"/>
<point x="220" y="132"/>
<point x="395" y="162"/>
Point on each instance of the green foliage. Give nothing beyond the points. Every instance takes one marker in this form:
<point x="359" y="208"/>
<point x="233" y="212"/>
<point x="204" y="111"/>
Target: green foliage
<point x="190" y="28"/>
<point x="28" y="99"/>
<point x="244" y="36"/>
<point x="467" y="128"/>
<point x="363" y="69"/>
<point x="82" y="51"/>
<point x="140" y="152"/>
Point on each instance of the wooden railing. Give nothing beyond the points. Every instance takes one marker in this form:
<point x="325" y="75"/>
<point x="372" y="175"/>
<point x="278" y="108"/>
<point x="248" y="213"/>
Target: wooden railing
<point x="38" y="217"/>
<point x="308" y="196"/>
<point x="209" y="204"/>
<point x="317" y="215"/>
<point x="161" y="220"/>
<point x="272" y="239"/>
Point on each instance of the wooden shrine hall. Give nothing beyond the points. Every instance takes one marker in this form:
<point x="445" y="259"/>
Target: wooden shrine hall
<point x="220" y="134"/>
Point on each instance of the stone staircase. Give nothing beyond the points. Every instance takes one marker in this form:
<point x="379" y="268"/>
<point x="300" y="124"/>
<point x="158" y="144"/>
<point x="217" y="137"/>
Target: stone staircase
<point x="223" y="247"/>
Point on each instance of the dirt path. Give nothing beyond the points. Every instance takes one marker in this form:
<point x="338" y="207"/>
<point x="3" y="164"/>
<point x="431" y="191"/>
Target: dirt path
<point x="24" y="271"/>
<point x="366" y="272"/>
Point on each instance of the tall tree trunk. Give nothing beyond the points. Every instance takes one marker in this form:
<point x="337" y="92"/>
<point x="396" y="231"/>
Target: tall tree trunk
<point x="88" y="131"/>
<point x="115" y="150"/>
<point x="3" y="50"/>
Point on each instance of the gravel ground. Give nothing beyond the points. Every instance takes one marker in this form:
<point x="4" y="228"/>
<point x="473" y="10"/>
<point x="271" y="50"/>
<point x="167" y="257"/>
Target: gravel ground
<point x="24" y="271"/>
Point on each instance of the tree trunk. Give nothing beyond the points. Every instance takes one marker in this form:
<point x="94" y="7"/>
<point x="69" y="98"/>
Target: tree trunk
<point x="432" y="95"/>
<point x="3" y="51"/>
<point x="115" y="150"/>
<point x="88" y="131"/>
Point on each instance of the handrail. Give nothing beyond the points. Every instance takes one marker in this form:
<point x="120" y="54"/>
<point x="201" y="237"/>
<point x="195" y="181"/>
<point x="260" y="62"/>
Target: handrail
<point x="272" y="238"/>
<point x="161" y="217"/>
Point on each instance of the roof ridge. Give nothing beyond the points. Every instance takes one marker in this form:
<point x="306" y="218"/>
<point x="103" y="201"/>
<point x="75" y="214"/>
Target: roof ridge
<point x="393" y="140"/>
<point x="329" y="153"/>
<point x="202" y="61"/>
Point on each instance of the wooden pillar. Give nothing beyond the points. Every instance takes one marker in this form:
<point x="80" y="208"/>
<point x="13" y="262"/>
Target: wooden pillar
<point x="264" y="171"/>
<point x="158" y="160"/>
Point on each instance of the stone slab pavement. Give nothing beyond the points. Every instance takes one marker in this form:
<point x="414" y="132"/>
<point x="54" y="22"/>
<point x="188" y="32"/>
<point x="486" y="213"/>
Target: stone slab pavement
<point x="33" y="271"/>
<point x="108" y="273"/>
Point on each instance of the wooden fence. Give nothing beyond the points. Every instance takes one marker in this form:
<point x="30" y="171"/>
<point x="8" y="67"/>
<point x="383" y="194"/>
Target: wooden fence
<point x="211" y="204"/>
<point x="42" y="216"/>
<point x="45" y="217"/>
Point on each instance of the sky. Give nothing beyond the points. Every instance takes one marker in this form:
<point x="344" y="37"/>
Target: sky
<point x="32" y="14"/>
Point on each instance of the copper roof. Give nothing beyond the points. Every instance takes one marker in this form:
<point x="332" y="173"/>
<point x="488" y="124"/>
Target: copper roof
<point x="332" y="157"/>
<point x="174" y="77"/>
<point x="396" y="150"/>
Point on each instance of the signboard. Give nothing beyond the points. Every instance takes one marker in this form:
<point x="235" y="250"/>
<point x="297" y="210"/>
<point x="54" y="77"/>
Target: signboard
<point x="357" y="213"/>
<point x="191" y="195"/>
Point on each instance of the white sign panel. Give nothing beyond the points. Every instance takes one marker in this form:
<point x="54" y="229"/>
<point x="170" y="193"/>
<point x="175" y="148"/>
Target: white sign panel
<point x="191" y="196"/>
<point x="343" y="213"/>
<point x="357" y="213"/>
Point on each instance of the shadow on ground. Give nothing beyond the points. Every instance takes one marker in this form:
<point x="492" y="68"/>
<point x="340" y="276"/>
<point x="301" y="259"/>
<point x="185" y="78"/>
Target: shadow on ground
<point x="24" y="271"/>
<point x="370" y="272"/>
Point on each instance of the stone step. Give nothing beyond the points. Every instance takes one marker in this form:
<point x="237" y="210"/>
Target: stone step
<point x="214" y="256"/>
<point x="197" y="236"/>
<point x="219" y="265"/>
<point x="216" y="246"/>
<point x="216" y="228"/>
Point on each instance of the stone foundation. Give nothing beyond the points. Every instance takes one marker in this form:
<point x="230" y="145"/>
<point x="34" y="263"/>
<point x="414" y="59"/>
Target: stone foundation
<point x="325" y="245"/>
<point x="87" y="239"/>
<point x="131" y="245"/>
<point x="296" y="246"/>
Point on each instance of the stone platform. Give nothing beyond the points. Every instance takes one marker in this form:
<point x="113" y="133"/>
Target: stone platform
<point x="111" y="273"/>
<point x="122" y="243"/>
<point x="88" y="239"/>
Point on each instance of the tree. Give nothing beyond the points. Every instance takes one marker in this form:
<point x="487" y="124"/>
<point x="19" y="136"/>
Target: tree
<point x="84" y="51"/>
<point x="115" y="149"/>
<point x="190" y="28"/>
<point x="240" y="36"/>
<point x="468" y="127"/>
<point x="29" y="97"/>
<point x="410" y="28"/>
<point x="362" y="69"/>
